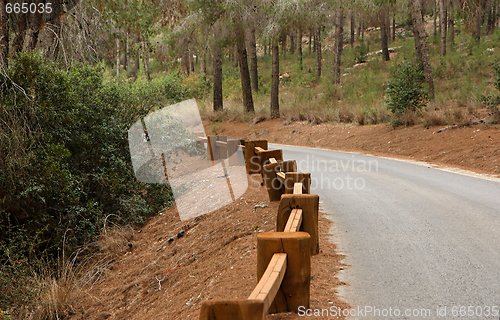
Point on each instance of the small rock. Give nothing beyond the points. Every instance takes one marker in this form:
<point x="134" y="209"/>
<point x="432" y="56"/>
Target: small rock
<point x="261" y="205"/>
<point x="181" y="233"/>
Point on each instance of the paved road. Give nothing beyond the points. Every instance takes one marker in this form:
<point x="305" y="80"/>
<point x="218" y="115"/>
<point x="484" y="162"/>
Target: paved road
<point x="416" y="238"/>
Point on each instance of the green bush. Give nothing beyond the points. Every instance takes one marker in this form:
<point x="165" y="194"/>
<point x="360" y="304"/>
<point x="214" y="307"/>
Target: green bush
<point x="65" y="161"/>
<point x="361" y="53"/>
<point x="405" y="91"/>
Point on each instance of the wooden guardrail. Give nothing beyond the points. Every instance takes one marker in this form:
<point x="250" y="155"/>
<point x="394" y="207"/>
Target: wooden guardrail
<point x="284" y="256"/>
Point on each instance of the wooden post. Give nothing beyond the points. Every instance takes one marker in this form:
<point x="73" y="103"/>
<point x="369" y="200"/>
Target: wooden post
<point x="288" y="166"/>
<point x="252" y="161"/>
<point x="292" y="177"/>
<point x="295" y="287"/>
<point x="309" y="203"/>
<point x="273" y="185"/>
<point x="232" y="310"/>
<point x="211" y="147"/>
<point x="232" y="152"/>
<point x="265" y="155"/>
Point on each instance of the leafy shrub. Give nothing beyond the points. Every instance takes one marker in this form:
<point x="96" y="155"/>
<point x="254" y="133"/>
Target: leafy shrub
<point x="361" y="53"/>
<point x="65" y="161"/>
<point x="405" y="91"/>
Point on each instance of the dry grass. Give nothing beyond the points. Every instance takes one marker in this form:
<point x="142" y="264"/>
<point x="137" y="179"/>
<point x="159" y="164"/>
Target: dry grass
<point x="56" y="293"/>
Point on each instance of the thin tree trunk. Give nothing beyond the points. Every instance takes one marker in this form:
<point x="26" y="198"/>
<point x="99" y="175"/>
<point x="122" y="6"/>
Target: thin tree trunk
<point x="235" y="56"/>
<point x="204" y="63"/>
<point x="394" y="27"/>
<point x="434" y="15"/>
<point x="4" y="35"/>
<point x="299" y="43"/>
<point x="319" y="57"/>
<point x="126" y="51"/>
<point x="314" y="40"/>
<point x="246" y="86"/>
<point x="253" y="60"/>
<point x="451" y="23"/>
<point x="145" y="58"/>
<point x="283" y="44"/>
<point x="275" y="83"/>
<point x="292" y="42"/>
<point x="339" y="44"/>
<point x="133" y="70"/>
<point x="443" y="20"/>
<point x="310" y="41"/>
<point x="35" y="27"/>
<point x="421" y="45"/>
<point x="217" y="65"/>
<point x="18" y="42"/>
<point x="117" y="48"/>
<point x="383" y="34"/>
<point x="478" y="20"/>
<point x="191" y="61"/>
<point x="353" y="29"/>
<point x="360" y="24"/>
<point x="362" y="30"/>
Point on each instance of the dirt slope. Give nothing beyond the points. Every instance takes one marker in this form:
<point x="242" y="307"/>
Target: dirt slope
<point x="475" y="148"/>
<point x="216" y="258"/>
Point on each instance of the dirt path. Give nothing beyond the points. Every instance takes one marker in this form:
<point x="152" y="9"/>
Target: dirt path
<point x="475" y="148"/>
<point x="214" y="259"/>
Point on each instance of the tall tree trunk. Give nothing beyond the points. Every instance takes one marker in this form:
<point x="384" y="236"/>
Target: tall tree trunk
<point x="18" y="42"/>
<point x="353" y="29"/>
<point x="117" y="52"/>
<point x="204" y="63"/>
<point x="478" y="19"/>
<point x="313" y="31"/>
<point x="252" y="46"/>
<point x="360" y="25"/>
<point x="434" y="16"/>
<point x="362" y="30"/>
<point x="310" y="41"/>
<point x="492" y="15"/>
<point x="443" y="20"/>
<point x="235" y="56"/>
<point x="339" y="44"/>
<point x="145" y="59"/>
<point x="421" y="45"/>
<point x="292" y="42"/>
<point x="4" y="35"/>
<point x="384" y="37"/>
<point x="319" y="55"/>
<point x="133" y="69"/>
<point x="246" y="86"/>
<point x="394" y="27"/>
<point x="299" y="43"/>
<point x="35" y="26"/>
<point x="451" y="23"/>
<point x="217" y="65"/>
<point x="126" y="52"/>
<point x="275" y="83"/>
<point x="283" y="44"/>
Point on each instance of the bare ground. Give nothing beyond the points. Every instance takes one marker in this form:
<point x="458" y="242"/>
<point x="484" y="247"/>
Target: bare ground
<point x="475" y="148"/>
<point x="215" y="259"/>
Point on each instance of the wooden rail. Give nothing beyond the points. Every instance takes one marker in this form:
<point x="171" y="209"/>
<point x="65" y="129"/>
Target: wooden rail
<point x="283" y="257"/>
<point x="270" y="282"/>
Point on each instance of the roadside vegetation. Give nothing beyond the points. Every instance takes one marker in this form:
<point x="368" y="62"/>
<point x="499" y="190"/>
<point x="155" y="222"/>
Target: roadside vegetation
<point x="73" y="81"/>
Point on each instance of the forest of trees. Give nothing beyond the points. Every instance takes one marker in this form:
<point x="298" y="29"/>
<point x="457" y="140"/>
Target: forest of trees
<point x="74" y="79"/>
<point x="198" y="36"/>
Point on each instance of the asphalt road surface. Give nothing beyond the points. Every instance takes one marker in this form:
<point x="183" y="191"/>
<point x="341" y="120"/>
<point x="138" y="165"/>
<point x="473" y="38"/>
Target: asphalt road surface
<point x="420" y="242"/>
